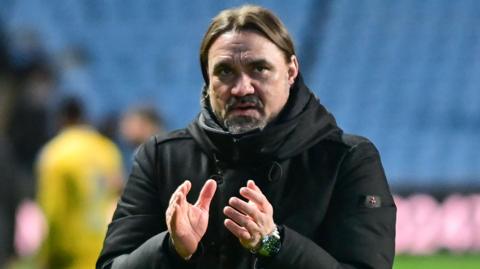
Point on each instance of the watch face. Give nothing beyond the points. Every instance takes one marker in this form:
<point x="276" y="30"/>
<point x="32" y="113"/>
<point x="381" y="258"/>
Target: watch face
<point x="270" y="245"/>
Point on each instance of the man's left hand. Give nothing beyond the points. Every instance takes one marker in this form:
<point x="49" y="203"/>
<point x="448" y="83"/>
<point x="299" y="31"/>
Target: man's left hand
<point x="252" y="220"/>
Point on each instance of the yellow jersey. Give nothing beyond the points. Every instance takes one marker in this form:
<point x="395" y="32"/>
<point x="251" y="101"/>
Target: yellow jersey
<point x="79" y="180"/>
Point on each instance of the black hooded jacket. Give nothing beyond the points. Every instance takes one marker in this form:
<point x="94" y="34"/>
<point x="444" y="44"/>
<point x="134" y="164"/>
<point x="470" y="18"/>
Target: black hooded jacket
<point x="328" y="190"/>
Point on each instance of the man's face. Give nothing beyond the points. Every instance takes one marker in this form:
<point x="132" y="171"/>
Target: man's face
<point x="250" y="80"/>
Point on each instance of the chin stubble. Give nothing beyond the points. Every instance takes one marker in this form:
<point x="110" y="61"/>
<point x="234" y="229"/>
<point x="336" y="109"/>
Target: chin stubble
<point x="243" y="124"/>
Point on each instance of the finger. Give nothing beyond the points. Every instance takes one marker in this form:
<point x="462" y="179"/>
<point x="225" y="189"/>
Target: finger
<point x="245" y="208"/>
<point x="206" y="194"/>
<point x="168" y="216"/>
<point x="262" y="202"/>
<point x="242" y="220"/>
<point x="171" y="215"/>
<point x="175" y="202"/>
<point x="173" y="222"/>
<point x="187" y="185"/>
<point x="183" y="188"/>
<point x="181" y="200"/>
<point x="253" y="195"/>
<point x="240" y="232"/>
<point x="251" y="184"/>
<point x="171" y="207"/>
<point x="172" y="198"/>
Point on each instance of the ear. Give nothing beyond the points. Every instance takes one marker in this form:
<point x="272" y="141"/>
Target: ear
<point x="293" y="69"/>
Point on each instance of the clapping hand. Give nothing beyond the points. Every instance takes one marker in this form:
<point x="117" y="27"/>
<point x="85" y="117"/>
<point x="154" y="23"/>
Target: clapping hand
<point x="187" y="223"/>
<point x="252" y="220"/>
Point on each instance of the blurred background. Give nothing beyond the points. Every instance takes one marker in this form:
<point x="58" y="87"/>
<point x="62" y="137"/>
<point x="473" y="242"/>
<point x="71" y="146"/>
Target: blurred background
<point x="405" y="74"/>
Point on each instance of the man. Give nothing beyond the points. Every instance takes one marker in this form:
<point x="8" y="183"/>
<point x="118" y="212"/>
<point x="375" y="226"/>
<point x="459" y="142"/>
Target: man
<point x="80" y="177"/>
<point x="286" y="188"/>
<point x="9" y="200"/>
<point x="139" y="123"/>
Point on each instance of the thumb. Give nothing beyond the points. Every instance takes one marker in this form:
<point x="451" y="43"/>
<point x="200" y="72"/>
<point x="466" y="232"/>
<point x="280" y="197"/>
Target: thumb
<point x="206" y="194"/>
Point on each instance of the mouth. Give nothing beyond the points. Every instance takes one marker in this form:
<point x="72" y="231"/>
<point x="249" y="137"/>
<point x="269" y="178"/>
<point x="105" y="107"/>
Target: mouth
<point x="246" y="106"/>
<point x="245" y="109"/>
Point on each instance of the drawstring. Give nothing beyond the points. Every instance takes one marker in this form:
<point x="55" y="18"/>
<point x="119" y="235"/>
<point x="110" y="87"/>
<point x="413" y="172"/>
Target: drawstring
<point x="276" y="172"/>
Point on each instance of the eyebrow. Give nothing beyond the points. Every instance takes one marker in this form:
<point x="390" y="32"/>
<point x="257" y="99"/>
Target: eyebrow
<point x="256" y="62"/>
<point x="249" y="62"/>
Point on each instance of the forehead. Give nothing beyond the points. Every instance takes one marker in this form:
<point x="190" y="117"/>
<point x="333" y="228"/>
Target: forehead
<point x="244" y="44"/>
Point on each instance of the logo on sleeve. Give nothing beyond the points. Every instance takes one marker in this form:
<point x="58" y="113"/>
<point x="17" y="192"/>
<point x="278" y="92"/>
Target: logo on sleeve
<point x="372" y="201"/>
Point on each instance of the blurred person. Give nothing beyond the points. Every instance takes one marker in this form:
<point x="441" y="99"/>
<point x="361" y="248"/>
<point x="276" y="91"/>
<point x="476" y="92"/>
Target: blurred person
<point x="28" y="126"/>
<point x="6" y="228"/>
<point x="139" y="124"/>
<point x="283" y="186"/>
<point x="27" y="111"/>
<point x="10" y="175"/>
<point x="9" y="200"/>
<point x="79" y="179"/>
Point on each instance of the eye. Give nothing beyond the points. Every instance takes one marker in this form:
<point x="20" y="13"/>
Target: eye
<point x="260" y="68"/>
<point x="223" y="71"/>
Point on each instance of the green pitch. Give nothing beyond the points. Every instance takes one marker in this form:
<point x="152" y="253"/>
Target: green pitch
<point x="438" y="261"/>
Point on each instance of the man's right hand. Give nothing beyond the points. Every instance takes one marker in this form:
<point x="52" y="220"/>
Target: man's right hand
<point x="188" y="223"/>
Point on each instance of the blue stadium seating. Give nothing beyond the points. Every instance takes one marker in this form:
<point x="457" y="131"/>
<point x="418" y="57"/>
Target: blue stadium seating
<point x="403" y="73"/>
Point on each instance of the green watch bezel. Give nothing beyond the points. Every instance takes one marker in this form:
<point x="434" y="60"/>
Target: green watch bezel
<point x="270" y="244"/>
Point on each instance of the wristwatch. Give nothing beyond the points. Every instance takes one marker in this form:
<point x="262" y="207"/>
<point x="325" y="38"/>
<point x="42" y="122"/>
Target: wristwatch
<point x="269" y="245"/>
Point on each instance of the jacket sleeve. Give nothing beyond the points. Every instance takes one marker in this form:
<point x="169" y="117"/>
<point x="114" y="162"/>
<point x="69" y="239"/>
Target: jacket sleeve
<point x="359" y="228"/>
<point x="137" y="236"/>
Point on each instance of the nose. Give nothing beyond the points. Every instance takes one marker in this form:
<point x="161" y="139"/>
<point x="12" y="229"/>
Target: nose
<point x="243" y="86"/>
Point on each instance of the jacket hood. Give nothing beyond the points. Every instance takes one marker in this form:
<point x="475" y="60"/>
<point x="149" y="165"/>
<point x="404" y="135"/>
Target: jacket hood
<point x="302" y="123"/>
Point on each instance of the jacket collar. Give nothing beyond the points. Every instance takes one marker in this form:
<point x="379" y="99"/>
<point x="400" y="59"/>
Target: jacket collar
<point x="301" y="123"/>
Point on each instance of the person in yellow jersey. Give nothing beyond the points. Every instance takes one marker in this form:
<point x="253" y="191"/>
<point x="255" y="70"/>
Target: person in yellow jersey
<point x="80" y="178"/>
